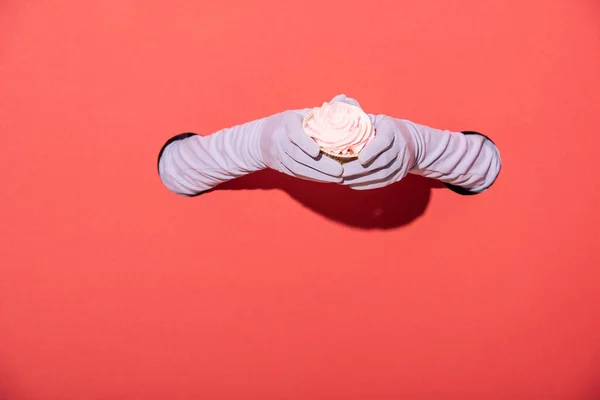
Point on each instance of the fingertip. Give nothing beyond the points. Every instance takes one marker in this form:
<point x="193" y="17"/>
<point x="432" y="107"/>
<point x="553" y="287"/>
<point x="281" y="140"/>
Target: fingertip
<point x="383" y="141"/>
<point x="359" y="188"/>
<point x="306" y="143"/>
<point x="312" y="148"/>
<point x="364" y="158"/>
<point x="334" y="168"/>
<point x="352" y="168"/>
<point x="353" y="102"/>
<point x="339" y="97"/>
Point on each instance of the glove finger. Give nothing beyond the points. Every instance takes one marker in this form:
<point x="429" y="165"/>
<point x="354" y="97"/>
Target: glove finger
<point x="355" y="169"/>
<point x="291" y="173"/>
<point x="345" y="99"/>
<point x="376" y="176"/>
<point x="371" y="186"/>
<point x="303" y="171"/>
<point x="301" y="139"/>
<point x="321" y="163"/>
<point x="377" y="183"/>
<point x="383" y="141"/>
<point x="339" y="97"/>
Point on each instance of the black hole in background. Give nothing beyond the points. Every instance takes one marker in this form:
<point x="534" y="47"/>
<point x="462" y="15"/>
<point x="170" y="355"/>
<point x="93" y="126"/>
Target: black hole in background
<point x="173" y="139"/>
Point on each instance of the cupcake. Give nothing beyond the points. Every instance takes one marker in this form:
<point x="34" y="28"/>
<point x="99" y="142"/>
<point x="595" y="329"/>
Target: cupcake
<point x="342" y="130"/>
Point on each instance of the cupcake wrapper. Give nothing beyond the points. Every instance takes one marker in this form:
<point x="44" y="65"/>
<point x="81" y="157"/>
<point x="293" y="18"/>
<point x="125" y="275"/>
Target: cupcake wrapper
<point x="339" y="158"/>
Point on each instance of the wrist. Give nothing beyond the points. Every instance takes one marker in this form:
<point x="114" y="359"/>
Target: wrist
<point x="256" y="156"/>
<point x="412" y="142"/>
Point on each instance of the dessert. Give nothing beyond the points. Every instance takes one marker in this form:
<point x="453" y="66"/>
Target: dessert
<point x="342" y="130"/>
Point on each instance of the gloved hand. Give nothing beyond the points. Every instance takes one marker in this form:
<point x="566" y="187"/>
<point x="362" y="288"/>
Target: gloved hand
<point x="286" y="148"/>
<point x="468" y="162"/>
<point x="190" y="164"/>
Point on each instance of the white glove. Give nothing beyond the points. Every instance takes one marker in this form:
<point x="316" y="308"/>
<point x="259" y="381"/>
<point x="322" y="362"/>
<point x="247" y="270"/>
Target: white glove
<point x="190" y="164"/>
<point x="467" y="163"/>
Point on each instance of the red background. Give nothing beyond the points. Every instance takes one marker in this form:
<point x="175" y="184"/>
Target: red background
<point x="111" y="287"/>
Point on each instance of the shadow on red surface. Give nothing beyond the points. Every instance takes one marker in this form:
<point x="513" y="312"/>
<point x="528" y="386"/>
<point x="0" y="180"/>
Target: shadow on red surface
<point x="390" y="207"/>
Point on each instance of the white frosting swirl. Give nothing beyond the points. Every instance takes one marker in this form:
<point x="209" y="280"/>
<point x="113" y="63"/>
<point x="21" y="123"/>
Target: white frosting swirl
<point x="340" y="128"/>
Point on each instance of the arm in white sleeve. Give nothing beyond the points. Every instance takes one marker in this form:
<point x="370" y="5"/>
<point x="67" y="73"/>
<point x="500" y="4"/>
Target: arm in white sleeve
<point x="191" y="164"/>
<point x="467" y="162"/>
